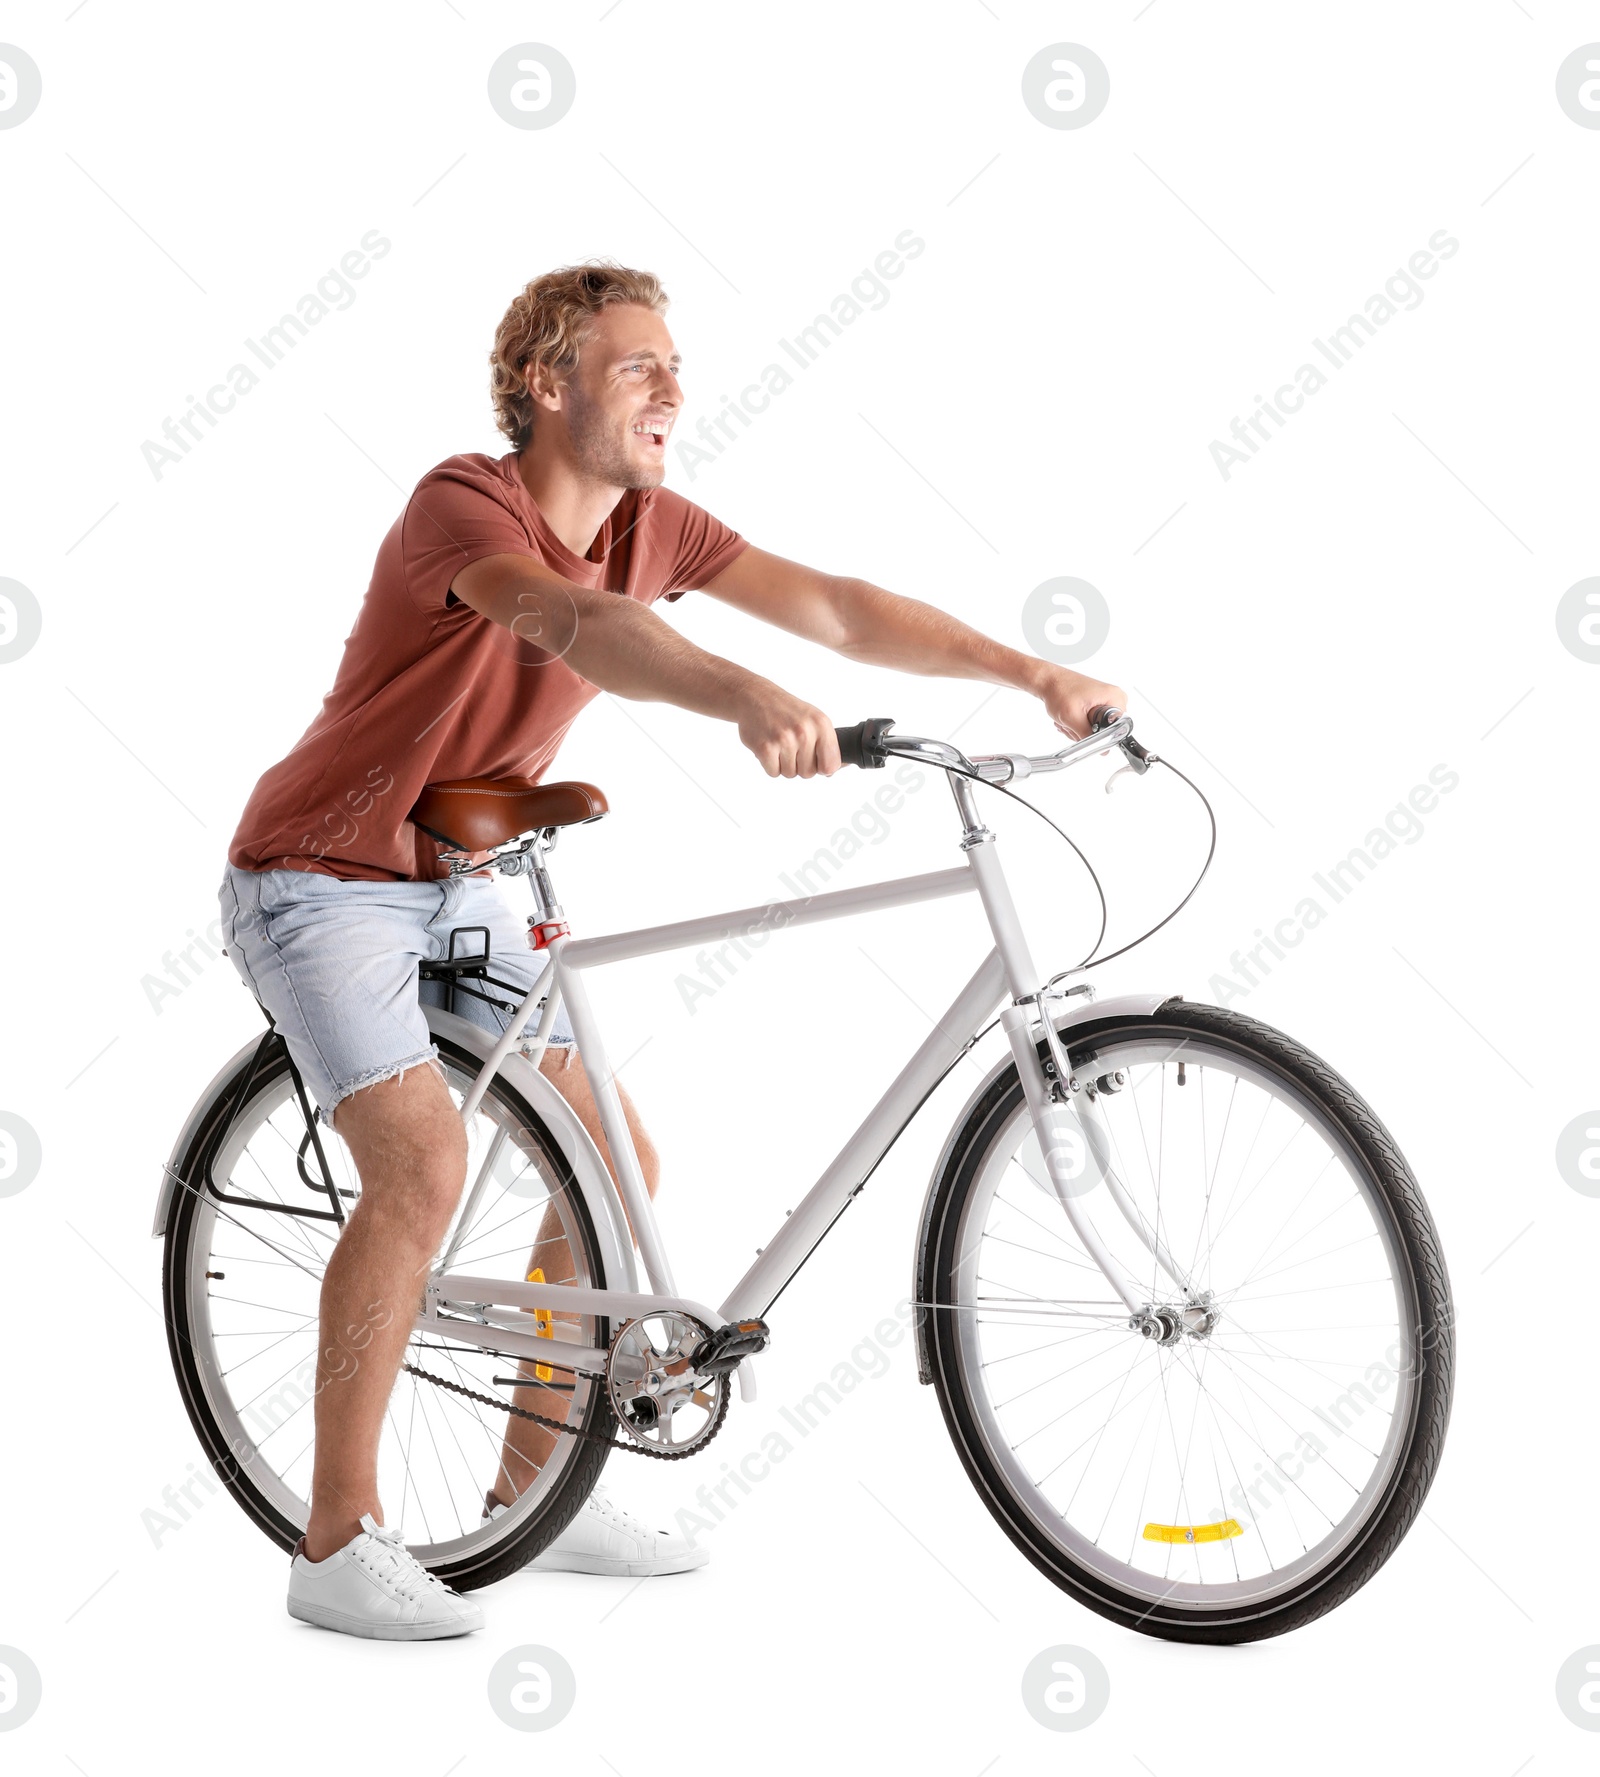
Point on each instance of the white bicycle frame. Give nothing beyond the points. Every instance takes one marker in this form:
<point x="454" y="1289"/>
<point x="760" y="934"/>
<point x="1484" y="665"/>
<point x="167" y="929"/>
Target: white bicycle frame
<point x="465" y="1305"/>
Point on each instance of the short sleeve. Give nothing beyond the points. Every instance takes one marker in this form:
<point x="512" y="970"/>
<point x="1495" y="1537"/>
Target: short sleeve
<point x="698" y="545"/>
<point x="456" y="516"/>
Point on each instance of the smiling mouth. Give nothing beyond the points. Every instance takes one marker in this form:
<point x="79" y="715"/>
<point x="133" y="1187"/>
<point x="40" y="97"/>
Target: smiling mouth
<point x="653" y="432"/>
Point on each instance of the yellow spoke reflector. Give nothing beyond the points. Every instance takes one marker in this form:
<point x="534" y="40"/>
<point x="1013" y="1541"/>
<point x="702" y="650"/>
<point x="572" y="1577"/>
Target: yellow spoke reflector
<point x="1193" y="1533"/>
<point x="543" y="1320"/>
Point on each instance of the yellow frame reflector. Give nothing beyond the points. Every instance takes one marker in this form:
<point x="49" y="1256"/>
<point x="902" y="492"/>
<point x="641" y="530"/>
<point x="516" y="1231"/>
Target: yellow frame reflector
<point x="543" y="1320"/>
<point x="1193" y="1533"/>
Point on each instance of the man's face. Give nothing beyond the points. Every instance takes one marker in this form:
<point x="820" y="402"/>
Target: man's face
<point x="622" y="399"/>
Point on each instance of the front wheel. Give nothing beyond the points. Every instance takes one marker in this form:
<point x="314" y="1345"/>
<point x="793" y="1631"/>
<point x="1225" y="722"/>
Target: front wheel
<point x="1239" y="1459"/>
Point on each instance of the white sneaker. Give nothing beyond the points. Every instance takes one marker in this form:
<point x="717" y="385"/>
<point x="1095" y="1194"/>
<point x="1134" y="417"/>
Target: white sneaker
<point x="604" y="1538"/>
<point x="375" y="1586"/>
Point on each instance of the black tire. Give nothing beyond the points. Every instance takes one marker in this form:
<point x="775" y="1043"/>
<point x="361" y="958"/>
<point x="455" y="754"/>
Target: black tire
<point x="1429" y="1309"/>
<point x="588" y="1458"/>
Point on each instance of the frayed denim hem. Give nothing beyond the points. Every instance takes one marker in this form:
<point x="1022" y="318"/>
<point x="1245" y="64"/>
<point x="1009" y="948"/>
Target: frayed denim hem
<point x="377" y="1075"/>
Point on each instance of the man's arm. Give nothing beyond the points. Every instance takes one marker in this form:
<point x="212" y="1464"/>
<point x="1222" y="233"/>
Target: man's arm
<point x="623" y="646"/>
<point x="865" y="623"/>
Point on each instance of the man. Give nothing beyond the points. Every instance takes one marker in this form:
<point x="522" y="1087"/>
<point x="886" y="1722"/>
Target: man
<point x="508" y="593"/>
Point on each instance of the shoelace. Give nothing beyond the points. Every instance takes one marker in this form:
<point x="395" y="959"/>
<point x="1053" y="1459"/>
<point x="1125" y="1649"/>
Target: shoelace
<point x="619" y="1515"/>
<point x="393" y="1563"/>
<point x="600" y="1502"/>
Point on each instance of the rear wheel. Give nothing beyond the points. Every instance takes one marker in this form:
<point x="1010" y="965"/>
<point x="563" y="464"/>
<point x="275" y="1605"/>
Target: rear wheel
<point x="1252" y="1454"/>
<point x="241" y="1283"/>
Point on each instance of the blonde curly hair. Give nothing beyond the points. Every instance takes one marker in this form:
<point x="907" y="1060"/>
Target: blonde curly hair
<point x="546" y="324"/>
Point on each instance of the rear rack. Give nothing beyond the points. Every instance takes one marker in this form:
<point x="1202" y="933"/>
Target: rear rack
<point x="460" y="972"/>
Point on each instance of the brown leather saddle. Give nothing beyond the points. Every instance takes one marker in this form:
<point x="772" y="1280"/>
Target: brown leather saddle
<point x="479" y="813"/>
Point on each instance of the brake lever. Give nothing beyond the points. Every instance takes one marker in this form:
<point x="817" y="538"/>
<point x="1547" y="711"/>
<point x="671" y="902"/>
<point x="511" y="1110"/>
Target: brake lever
<point x="1138" y="759"/>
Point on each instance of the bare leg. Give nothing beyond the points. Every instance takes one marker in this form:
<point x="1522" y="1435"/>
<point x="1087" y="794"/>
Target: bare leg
<point x="527" y="1445"/>
<point x="410" y="1149"/>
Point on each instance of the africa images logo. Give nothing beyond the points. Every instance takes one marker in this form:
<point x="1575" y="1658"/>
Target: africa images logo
<point x="1402" y="290"/>
<point x="335" y="291"/>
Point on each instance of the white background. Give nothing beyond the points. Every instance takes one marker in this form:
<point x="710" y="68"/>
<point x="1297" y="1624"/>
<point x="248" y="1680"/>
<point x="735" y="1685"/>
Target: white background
<point x="1364" y="600"/>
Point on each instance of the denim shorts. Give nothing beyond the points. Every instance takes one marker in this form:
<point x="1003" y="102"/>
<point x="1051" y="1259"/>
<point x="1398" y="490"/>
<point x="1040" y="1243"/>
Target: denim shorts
<point x="335" y="963"/>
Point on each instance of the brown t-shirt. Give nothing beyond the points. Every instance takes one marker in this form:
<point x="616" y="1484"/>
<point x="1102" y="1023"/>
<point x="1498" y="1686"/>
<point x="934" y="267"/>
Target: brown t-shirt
<point x="430" y="690"/>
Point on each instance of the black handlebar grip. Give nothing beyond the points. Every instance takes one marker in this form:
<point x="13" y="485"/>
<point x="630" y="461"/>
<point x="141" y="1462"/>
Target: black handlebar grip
<point x="861" y="744"/>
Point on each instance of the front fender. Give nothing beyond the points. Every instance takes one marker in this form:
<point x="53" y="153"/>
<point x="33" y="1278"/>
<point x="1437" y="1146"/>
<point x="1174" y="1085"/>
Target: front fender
<point x="1138" y="1005"/>
<point x="611" y="1230"/>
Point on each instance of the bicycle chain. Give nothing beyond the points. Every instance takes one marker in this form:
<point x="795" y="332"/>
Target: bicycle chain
<point x="582" y="1433"/>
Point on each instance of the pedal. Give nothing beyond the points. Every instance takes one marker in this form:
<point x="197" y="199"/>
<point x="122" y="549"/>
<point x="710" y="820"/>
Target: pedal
<point x="727" y="1347"/>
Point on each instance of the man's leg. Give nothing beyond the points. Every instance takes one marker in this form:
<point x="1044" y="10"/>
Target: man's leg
<point x="410" y="1149"/>
<point x="528" y="1445"/>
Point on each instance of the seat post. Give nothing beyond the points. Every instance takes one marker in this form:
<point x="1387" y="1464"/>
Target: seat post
<point x="546" y="906"/>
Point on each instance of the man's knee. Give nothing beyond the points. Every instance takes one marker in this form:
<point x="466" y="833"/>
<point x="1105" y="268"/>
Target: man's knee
<point x="409" y="1146"/>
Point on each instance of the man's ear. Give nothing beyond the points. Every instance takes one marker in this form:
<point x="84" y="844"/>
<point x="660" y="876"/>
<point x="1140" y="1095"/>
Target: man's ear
<point x="543" y="386"/>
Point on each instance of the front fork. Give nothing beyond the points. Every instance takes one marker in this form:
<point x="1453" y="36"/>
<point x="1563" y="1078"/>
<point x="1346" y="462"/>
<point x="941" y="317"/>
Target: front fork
<point x="1073" y="1138"/>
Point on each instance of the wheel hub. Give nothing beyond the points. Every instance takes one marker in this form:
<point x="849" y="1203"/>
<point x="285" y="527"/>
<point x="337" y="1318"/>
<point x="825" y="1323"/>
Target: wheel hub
<point x="1165" y="1323"/>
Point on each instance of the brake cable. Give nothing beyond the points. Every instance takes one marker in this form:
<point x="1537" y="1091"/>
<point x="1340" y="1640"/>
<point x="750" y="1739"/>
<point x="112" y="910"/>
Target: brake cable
<point x="1092" y="960"/>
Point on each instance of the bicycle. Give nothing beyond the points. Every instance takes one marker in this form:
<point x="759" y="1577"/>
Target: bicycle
<point x="1220" y="1436"/>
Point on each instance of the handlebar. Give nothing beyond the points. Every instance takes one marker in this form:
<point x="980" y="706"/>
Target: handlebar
<point x="869" y="744"/>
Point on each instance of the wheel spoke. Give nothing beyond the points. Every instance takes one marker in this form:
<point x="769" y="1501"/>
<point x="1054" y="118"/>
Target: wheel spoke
<point x="253" y="1333"/>
<point x="1218" y="1419"/>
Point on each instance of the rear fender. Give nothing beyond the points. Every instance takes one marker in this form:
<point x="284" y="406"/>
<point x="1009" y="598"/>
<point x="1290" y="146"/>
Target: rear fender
<point x="611" y="1227"/>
